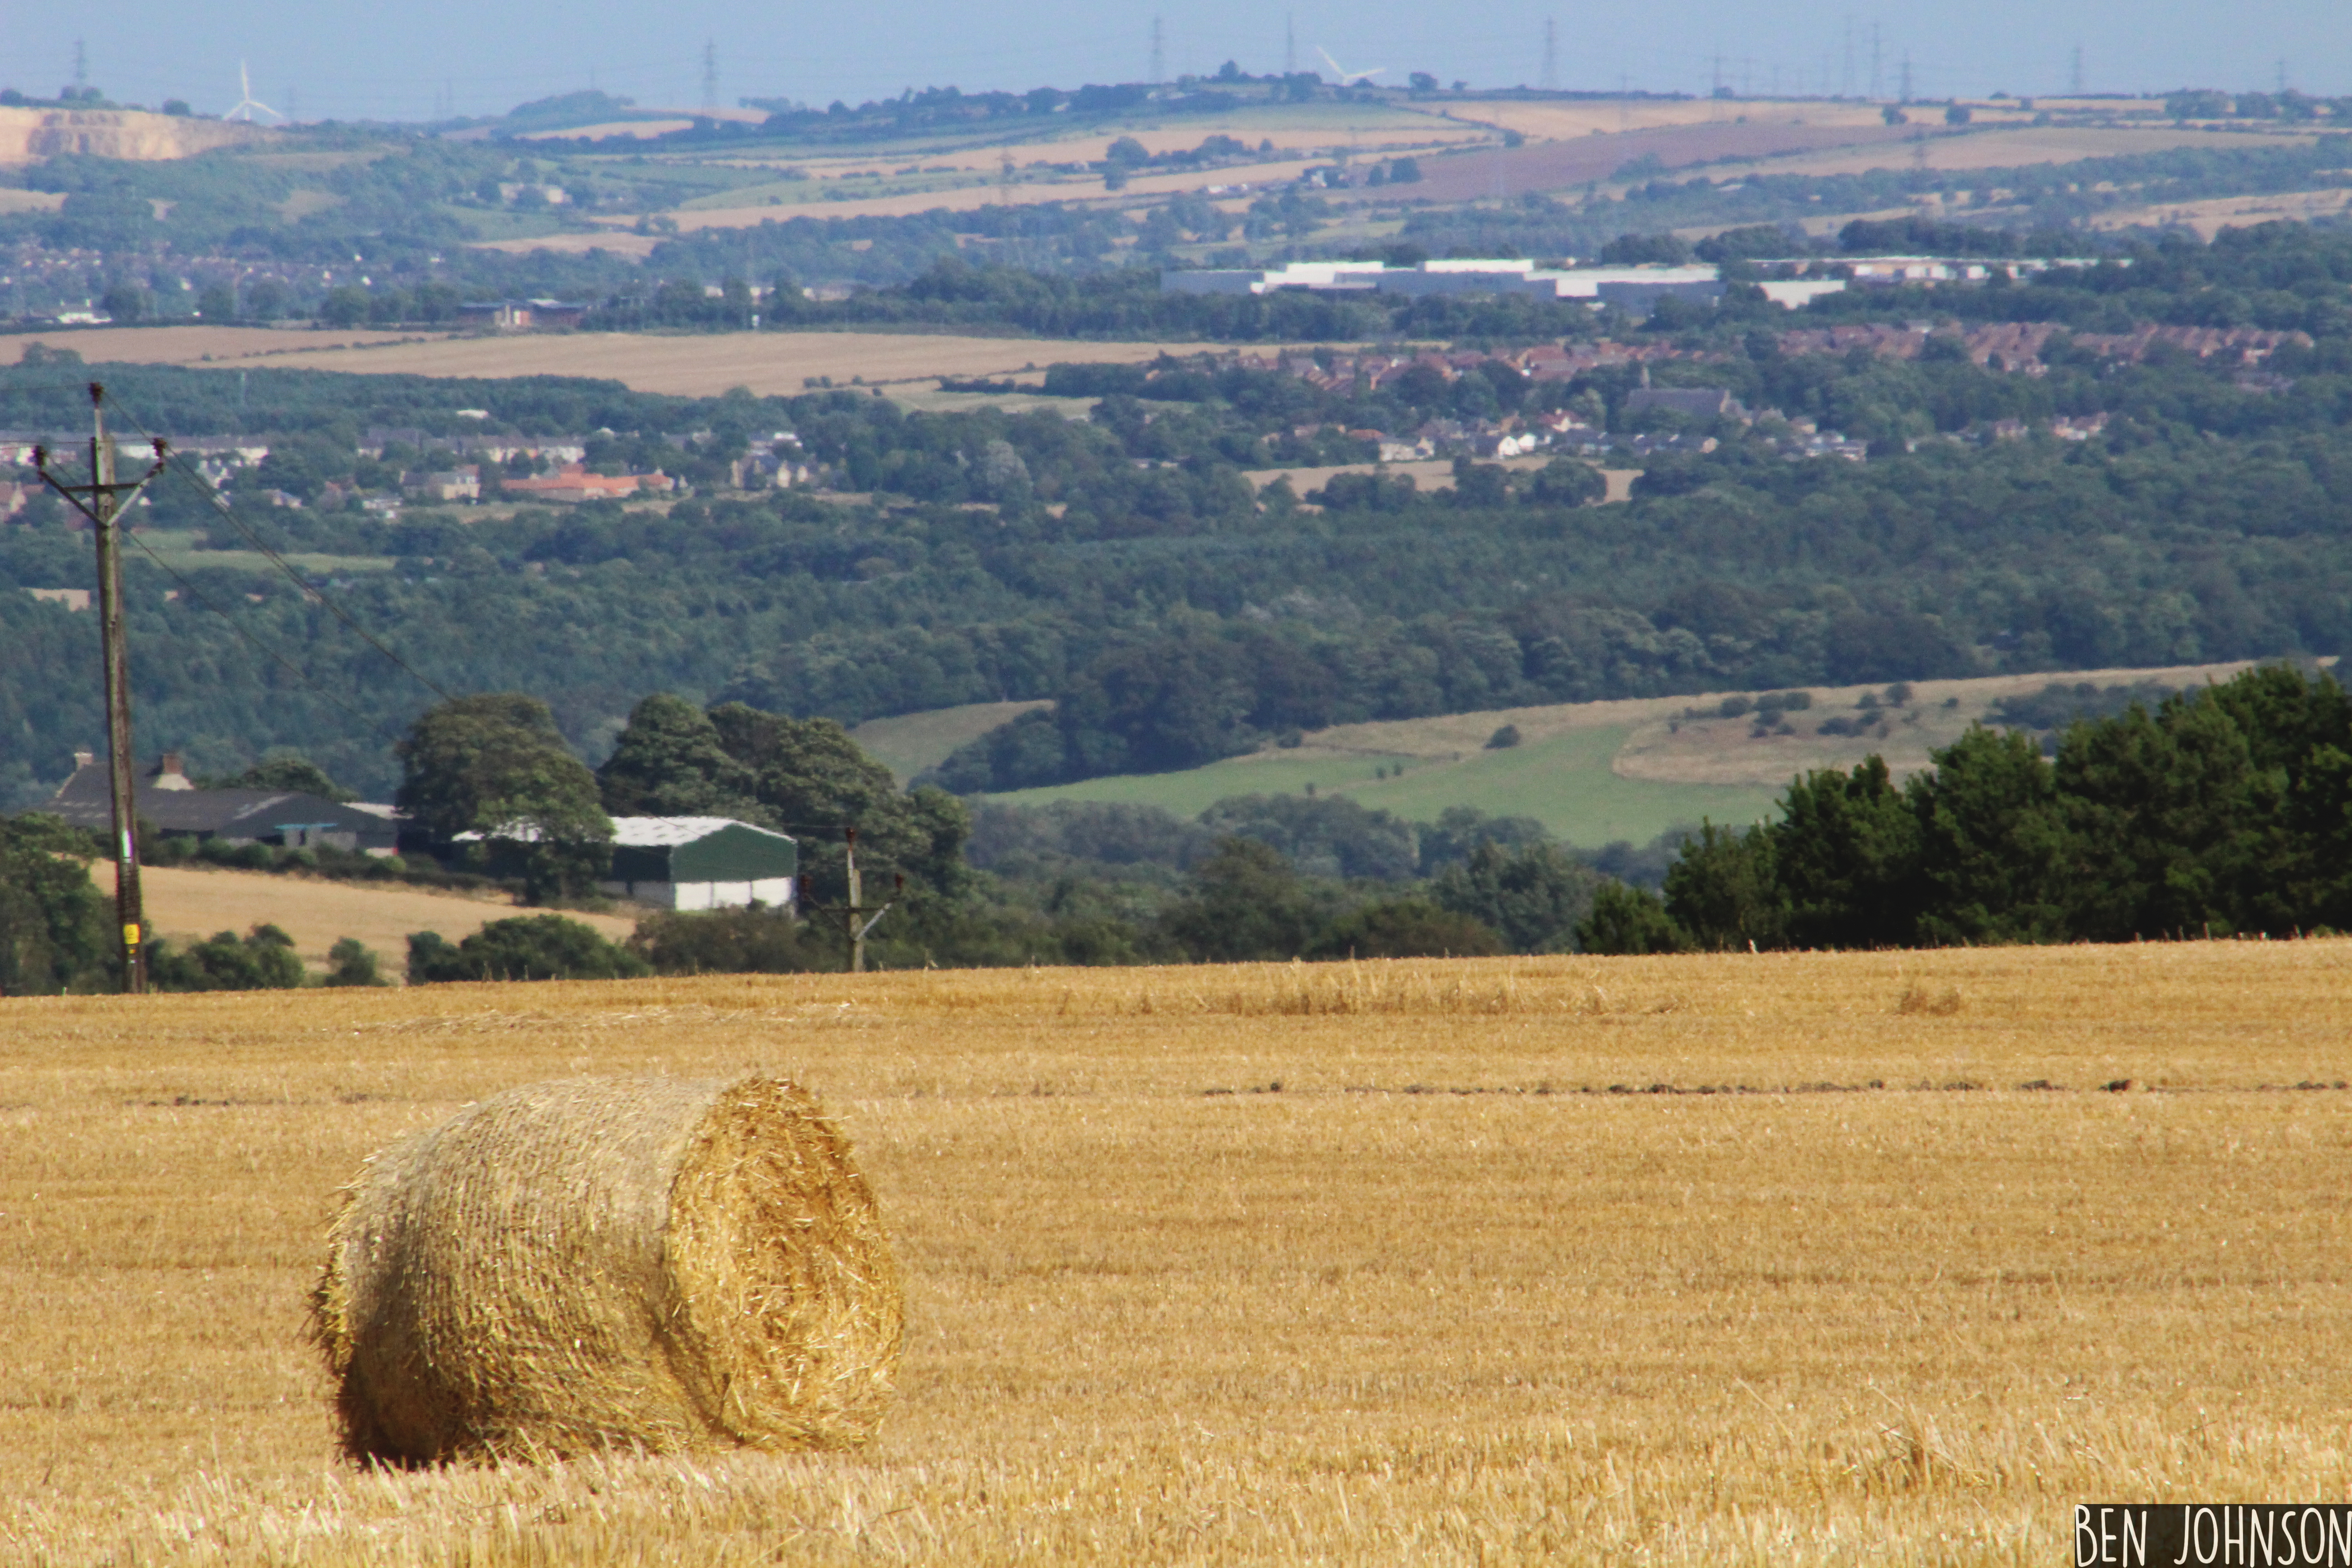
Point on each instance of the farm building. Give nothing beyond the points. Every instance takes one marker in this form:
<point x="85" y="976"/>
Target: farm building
<point x="170" y="801"/>
<point x="701" y="863"/>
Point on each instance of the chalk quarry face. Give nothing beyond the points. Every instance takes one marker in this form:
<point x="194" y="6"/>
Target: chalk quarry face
<point x="29" y="135"/>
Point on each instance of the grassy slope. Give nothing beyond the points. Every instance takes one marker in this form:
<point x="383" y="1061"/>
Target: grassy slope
<point x="911" y="743"/>
<point x="1596" y="772"/>
<point x="1563" y="781"/>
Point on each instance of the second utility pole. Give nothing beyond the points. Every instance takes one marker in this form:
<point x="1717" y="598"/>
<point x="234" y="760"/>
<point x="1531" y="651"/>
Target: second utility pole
<point x="856" y="906"/>
<point x="104" y="509"/>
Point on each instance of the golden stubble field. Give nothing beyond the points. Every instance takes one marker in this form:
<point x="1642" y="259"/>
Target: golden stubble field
<point x="189" y="903"/>
<point x="1418" y="1262"/>
<point x="769" y="364"/>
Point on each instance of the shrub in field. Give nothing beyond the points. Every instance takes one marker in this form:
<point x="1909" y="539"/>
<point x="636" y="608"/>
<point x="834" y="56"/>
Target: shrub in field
<point x="1628" y="920"/>
<point x="1406" y="928"/>
<point x="530" y="947"/>
<point x="1246" y="903"/>
<point x="261" y="960"/>
<point x="725" y="941"/>
<point x="351" y="963"/>
<point x="1531" y="896"/>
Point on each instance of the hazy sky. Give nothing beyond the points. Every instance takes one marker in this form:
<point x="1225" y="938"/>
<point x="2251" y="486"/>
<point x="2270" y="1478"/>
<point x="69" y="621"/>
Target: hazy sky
<point x="322" y="57"/>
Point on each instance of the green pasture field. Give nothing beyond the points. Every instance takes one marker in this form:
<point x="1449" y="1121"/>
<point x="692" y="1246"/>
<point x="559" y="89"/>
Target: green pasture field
<point x="178" y="548"/>
<point x="1563" y="781"/>
<point x="909" y="742"/>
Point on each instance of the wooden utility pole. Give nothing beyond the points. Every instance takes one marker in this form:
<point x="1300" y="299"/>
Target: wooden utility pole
<point x="852" y="926"/>
<point x="104" y="506"/>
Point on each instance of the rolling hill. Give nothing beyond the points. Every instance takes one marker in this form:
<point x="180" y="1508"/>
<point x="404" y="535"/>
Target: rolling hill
<point x="1595" y="773"/>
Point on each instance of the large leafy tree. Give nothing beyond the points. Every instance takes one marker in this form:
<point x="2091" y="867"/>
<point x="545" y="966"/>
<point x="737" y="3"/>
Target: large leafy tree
<point x="814" y="782"/>
<point x="1722" y="892"/>
<point x="285" y="768"/>
<point x="670" y="761"/>
<point x="528" y="947"/>
<point x="1846" y="856"/>
<point x="54" y="933"/>
<point x="802" y="776"/>
<point x="1246" y="903"/>
<point x="496" y="765"/>
<point x="1993" y="843"/>
<point x="2225" y="811"/>
<point x="2168" y="821"/>
<point x="1533" y="895"/>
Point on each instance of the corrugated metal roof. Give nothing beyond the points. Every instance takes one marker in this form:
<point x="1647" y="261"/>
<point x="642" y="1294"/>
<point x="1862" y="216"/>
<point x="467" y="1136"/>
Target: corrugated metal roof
<point x="663" y="832"/>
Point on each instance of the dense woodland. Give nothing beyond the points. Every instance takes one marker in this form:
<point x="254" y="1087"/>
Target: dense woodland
<point x="1122" y="565"/>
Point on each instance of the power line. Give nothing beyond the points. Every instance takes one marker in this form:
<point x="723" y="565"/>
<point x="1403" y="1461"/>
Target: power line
<point x="205" y="489"/>
<point x="296" y="670"/>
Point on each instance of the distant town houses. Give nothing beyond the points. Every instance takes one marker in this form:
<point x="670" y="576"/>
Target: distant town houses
<point x="378" y="439"/>
<point x="575" y="482"/>
<point x="2019" y="346"/>
<point x="775" y="461"/>
<point x="461" y="484"/>
<point x="2003" y="346"/>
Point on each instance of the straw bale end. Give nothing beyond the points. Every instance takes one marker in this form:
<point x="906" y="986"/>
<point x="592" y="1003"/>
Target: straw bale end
<point x="595" y="1263"/>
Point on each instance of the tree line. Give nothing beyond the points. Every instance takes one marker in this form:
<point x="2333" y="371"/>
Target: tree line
<point x="491" y="792"/>
<point x="2221" y="811"/>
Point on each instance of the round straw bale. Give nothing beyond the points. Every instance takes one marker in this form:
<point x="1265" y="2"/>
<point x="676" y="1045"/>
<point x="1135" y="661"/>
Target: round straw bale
<point x="597" y="1263"/>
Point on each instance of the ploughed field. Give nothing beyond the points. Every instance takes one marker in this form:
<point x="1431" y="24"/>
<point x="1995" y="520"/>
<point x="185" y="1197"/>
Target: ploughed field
<point x="1786" y="1258"/>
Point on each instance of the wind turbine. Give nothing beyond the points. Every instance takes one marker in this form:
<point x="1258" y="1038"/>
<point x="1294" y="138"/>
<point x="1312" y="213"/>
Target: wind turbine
<point x="247" y="103"/>
<point x="1347" y="77"/>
